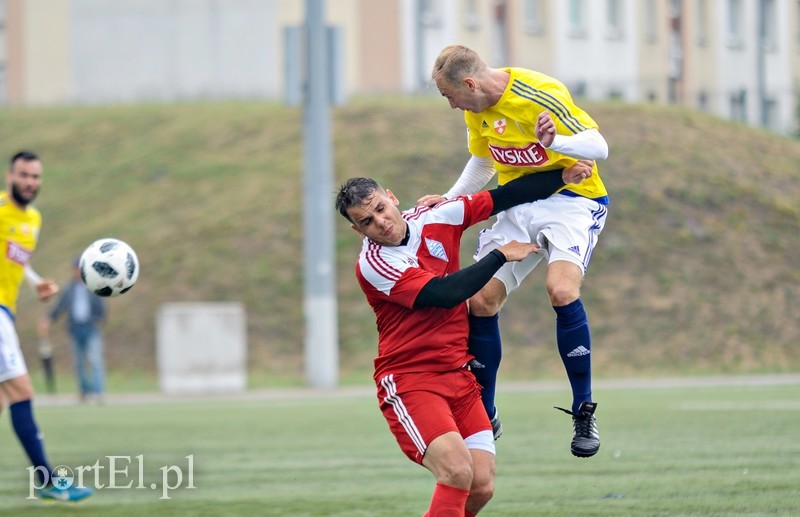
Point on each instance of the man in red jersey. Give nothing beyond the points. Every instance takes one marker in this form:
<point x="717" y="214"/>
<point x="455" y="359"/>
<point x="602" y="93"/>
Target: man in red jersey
<point x="409" y="271"/>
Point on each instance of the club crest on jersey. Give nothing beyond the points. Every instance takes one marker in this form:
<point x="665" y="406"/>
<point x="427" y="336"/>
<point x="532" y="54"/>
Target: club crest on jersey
<point x="500" y="126"/>
<point x="436" y="249"/>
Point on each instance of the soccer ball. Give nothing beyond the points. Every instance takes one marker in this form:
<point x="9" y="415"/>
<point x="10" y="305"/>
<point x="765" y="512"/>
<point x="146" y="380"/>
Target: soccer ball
<point x="109" y="267"/>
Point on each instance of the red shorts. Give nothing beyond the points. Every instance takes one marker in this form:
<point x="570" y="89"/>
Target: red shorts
<point x="420" y="407"/>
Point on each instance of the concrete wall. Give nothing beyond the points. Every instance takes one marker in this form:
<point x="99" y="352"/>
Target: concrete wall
<point x="174" y="49"/>
<point x="201" y="347"/>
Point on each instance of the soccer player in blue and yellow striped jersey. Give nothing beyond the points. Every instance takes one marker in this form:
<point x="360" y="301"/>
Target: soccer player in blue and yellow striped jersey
<point x="524" y="122"/>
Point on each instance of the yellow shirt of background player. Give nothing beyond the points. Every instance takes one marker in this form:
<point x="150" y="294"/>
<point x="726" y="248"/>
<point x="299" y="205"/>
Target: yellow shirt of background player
<point x="19" y="232"/>
<point x="506" y="132"/>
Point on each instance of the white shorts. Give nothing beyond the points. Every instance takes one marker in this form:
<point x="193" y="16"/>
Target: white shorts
<point x="12" y="364"/>
<point x="566" y="228"/>
<point x="482" y="440"/>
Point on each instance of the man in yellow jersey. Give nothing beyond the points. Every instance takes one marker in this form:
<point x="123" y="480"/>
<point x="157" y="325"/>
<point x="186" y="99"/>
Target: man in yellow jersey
<point x="19" y="232"/>
<point x="523" y="122"/>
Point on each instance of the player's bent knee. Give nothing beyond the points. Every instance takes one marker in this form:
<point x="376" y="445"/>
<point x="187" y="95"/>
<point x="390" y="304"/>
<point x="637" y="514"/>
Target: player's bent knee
<point x="482" y="448"/>
<point x="449" y="460"/>
<point x="563" y="282"/>
<point x="561" y="295"/>
<point x="481" y="493"/>
<point x="482" y="489"/>
<point x="457" y="474"/>
<point x="562" y="291"/>
<point x="18" y="389"/>
<point x="486" y="303"/>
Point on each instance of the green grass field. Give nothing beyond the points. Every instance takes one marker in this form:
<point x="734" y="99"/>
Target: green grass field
<point x="716" y="450"/>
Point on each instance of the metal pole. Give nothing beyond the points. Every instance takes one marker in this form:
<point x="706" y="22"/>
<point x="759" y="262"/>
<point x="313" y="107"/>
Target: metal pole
<point x="321" y="330"/>
<point x="761" y="48"/>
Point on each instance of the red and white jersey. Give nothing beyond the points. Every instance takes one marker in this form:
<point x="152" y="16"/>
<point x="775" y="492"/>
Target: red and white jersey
<point x="424" y="339"/>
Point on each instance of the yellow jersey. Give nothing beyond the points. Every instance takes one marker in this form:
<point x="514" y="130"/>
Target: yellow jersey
<point x="19" y="233"/>
<point x="506" y="132"/>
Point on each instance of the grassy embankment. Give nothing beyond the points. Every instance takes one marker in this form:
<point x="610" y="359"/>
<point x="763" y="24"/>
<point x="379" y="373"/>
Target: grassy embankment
<point x="695" y="272"/>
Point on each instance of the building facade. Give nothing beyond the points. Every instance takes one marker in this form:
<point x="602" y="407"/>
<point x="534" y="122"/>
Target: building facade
<point x="738" y="59"/>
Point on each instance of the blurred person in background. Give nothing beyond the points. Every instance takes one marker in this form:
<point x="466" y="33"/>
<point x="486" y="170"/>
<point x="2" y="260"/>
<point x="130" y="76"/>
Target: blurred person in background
<point x="20" y="223"/>
<point x="86" y="313"/>
<point x="520" y="123"/>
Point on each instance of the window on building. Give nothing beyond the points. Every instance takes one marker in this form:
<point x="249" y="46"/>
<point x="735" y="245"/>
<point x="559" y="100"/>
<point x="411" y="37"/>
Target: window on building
<point x="429" y="13"/>
<point x="499" y="33"/>
<point x="651" y="21"/>
<point x="735" y="32"/>
<point x="578" y="89"/>
<point x="702" y="101"/>
<point x="615" y="19"/>
<point x="472" y="18"/>
<point x="577" y="21"/>
<point x="701" y="22"/>
<point x="797" y="23"/>
<point x="770" y="26"/>
<point x="615" y="94"/>
<point x="739" y="106"/>
<point x="533" y="17"/>
<point x="771" y="118"/>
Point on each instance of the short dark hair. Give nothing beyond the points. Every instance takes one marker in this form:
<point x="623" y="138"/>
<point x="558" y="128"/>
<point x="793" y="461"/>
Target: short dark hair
<point x="26" y="156"/>
<point x="355" y="191"/>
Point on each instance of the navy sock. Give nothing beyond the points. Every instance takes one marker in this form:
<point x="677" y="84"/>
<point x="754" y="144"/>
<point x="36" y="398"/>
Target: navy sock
<point x="485" y="345"/>
<point x="29" y="436"/>
<point x="574" y="346"/>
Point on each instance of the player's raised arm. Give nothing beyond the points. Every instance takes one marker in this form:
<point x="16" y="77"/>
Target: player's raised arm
<point x="447" y="292"/>
<point x="526" y="189"/>
<point x="476" y="174"/>
<point x="587" y="145"/>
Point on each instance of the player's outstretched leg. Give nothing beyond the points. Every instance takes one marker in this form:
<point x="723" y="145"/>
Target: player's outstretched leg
<point x="29" y="436"/>
<point x="485" y="345"/>
<point x="574" y="346"/>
